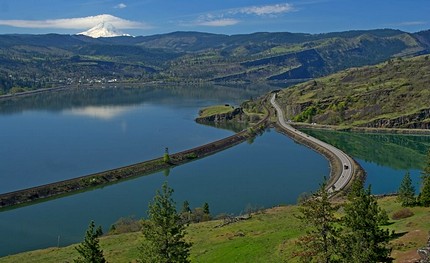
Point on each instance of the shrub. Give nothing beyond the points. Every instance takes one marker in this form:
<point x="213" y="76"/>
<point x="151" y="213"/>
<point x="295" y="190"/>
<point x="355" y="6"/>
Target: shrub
<point x="166" y="158"/>
<point x="255" y="118"/>
<point x="191" y="156"/>
<point x="402" y="213"/>
<point x="125" y="225"/>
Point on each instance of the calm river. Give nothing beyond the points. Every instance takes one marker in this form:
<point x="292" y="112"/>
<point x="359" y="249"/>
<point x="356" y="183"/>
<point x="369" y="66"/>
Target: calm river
<point x="54" y="136"/>
<point x="385" y="157"/>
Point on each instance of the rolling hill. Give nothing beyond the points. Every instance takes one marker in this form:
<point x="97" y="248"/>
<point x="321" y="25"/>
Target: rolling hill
<point x="51" y="60"/>
<point x="394" y="94"/>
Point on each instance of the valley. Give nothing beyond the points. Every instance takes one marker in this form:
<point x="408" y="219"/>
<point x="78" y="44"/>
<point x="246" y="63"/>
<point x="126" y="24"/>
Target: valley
<point x="52" y="60"/>
<point x="117" y="101"/>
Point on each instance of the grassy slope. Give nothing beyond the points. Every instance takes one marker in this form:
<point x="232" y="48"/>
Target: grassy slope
<point x="413" y="231"/>
<point x="267" y="237"/>
<point x="217" y="109"/>
<point x="359" y="95"/>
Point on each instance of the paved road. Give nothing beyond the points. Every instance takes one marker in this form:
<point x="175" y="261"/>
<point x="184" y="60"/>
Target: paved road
<point x="347" y="163"/>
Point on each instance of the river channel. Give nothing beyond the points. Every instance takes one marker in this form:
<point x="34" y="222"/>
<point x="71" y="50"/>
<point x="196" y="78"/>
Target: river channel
<point x="55" y="136"/>
<point x="386" y="158"/>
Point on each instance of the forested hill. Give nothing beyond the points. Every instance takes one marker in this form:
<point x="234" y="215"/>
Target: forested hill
<point x="394" y="94"/>
<point x="50" y="60"/>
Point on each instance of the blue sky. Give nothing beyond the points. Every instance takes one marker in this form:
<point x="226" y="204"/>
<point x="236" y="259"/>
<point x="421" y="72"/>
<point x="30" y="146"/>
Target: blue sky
<point x="148" y="17"/>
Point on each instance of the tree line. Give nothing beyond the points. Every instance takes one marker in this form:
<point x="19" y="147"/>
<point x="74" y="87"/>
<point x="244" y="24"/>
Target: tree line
<point x="353" y="231"/>
<point x="357" y="236"/>
<point x="164" y="232"/>
<point x="347" y="231"/>
<point x="406" y="193"/>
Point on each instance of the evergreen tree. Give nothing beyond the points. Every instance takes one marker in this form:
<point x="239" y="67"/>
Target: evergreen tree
<point x="426" y="170"/>
<point x="164" y="231"/>
<point x="406" y="193"/>
<point x="89" y="249"/>
<point x="424" y="196"/>
<point x="320" y="242"/>
<point x="186" y="214"/>
<point x="166" y="156"/>
<point x="356" y="188"/>
<point x="206" y="208"/>
<point x="186" y="207"/>
<point x="363" y="240"/>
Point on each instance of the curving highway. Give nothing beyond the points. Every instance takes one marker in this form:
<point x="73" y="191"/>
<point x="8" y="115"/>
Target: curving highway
<point x="346" y="161"/>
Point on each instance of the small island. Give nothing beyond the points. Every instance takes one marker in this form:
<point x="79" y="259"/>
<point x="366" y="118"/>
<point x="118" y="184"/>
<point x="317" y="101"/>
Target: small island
<point x="221" y="113"/>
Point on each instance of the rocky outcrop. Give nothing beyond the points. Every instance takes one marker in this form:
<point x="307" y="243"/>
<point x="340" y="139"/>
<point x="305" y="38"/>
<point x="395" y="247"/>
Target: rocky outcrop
<point x="236" y="115"/>
<point x="419" y="120"/>
<point x="424" y="253"/>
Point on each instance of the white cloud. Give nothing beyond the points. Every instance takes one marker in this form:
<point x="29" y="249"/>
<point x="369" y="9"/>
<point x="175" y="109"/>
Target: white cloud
<point x="219" y="22"/>
<point x="230" y="17"/>
<point x="120" y="6"/>
<point x="265" y="9"/>
<point x="76" y="23"/>
<point x="214" y="21"/>
<point x="412" y="23"/>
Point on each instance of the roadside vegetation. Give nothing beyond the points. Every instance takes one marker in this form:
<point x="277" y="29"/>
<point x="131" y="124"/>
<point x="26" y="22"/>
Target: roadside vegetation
<point x="393" y="94"/>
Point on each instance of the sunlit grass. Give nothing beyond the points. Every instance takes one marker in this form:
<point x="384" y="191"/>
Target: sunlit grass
<point x="266" y="237"/>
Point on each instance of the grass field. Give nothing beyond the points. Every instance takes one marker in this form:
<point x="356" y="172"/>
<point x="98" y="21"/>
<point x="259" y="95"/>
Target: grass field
<point x="217" y="109"/>
<point x="266" y="237"/>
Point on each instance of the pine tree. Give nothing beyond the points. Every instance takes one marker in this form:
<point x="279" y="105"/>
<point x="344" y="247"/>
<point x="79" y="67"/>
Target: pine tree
<point x="426" y="170"/>
<point x="206" y="208"/>
<point x="186" y="214"/>
<point x="186" y="207"/>
<point x="164" y="231"/>
<point x="363" y="240"/>
<point x="166" y="156"/>
<point x="320" y="242"/>
<point x="89" y="249"/>
<point x="406" y="193"/>
<point x="424" y="196"/>
<point x="425" y="192"/>
<point x="356" y="188"/>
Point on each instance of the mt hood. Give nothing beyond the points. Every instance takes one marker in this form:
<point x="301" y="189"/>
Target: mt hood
<point x="103" y="30"/>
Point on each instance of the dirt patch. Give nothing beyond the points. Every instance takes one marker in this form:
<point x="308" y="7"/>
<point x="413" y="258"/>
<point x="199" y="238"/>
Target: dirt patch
<point x="407" y="245"/>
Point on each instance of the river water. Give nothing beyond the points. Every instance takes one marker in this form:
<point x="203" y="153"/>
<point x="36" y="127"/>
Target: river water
<point x="55" y="136"/>
<point x="385" y="157"/>
<point x="51" y="137"/>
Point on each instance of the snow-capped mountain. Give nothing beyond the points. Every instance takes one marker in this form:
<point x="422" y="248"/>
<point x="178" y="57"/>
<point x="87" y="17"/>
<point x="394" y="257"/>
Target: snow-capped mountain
<point x="103" y="30"/>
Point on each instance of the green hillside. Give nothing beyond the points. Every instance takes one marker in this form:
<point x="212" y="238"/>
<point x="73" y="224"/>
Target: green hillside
<point x="266" y="237"/>
<point x="394" y="94"/>
<point x="62" y="60"/>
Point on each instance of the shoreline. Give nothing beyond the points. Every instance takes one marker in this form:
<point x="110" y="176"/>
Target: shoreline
<point x="95" y="180"/>
<point x="103" y="178"/>
<point x="300" y="125"/>
<point x="343" y="169"/>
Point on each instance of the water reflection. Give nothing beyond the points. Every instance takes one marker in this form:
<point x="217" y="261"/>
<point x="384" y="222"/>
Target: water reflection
<point x="123" y="96"/>
<point x="273" y="170"/>
<point x="100" y="112"/>
<point x="50" y="140"/>
<point x="385" y="157"/>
